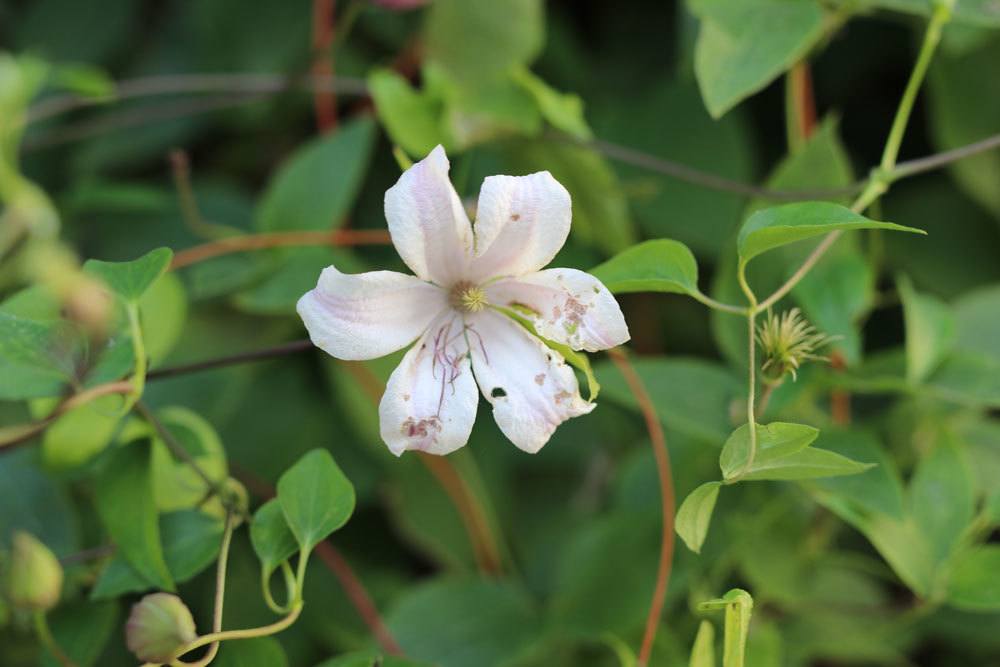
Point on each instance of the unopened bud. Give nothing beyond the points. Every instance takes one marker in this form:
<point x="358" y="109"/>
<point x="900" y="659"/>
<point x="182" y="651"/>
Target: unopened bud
<point x="787" y="341"/>
<point x="159" y="625"/>
<point x="34" y="577"/>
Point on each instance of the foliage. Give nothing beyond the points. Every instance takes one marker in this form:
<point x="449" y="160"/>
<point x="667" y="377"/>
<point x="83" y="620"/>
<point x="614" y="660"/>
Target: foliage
<point x="826" y="382"/>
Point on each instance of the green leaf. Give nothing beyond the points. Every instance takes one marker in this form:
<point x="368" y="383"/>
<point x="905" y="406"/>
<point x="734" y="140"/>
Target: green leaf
<point x="271" y="537"/>
<point x="703" y="650"/>
<point x="563" y="111"/>
<point x="32" y="501"/>
<point x="974" y="579"/>
<point x="930" y="330"/>
<point x="370" y="658"/>
<point x="176" y="485"/>
<point x="774" y="441"/>
<point x="130" y="280"/>
<point x="37" y="357"/>
<point x="413" y="119"/>
<point x="317" y="186"/>
<point x="774" y="227"/>
<point x="942" y="496"/>
<point x="661" y="265"/>
<point x="703" y="414"/>
<point x="80" y="434"/>
<point x="458" y="30"/>
<point x="81" y="630"/>
<point x="255" y="652"/>
<point x="191" y="542"/>
<point x="590" y="595"/>
<point x="695" y="514"/>
<point x="316" y="498"/>
<point x="84" y="80"/>
<point x="738" y="606"/>
<point x="972" y="12"/>
<point x="965" y="107"/>
<point x="743" y="45"/>
<point x="463" y="622"/>
<point x="976" y="322"/>
<point x="123" y="495"/>
<point x="875" y="491"/>
<point x="809" y="463"/>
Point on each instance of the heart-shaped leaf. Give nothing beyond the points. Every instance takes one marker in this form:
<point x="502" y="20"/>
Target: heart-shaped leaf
<point x="130" y="280"/>
<point x="695" y="514"/>
<point x="315" y="497"/>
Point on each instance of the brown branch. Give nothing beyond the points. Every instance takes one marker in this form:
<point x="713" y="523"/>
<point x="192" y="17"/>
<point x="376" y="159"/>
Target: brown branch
<point x="12" y="436"/>
<point x="324" y="101"/>
<point x="230" y="360"/>
<point x="659" y="443"/>
<point x="800" y="80"/>
<point x="340" y="237"/>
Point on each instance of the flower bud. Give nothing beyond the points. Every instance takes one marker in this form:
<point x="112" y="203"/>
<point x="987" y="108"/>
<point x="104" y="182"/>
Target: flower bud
<point x="158" y="626"/>
<point x="787" y="341"/>
<point x="34" y="576"/>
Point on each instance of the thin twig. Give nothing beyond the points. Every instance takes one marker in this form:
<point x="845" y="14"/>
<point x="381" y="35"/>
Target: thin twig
<point x="232" y="359"/>
<point x="909" y="168"/>
<point x="324" y="101"/>
<point x="226" y="246"/>
<point x="185" y="84"/>
<point x="705" y="179"/>
<point x="662" y="455"/>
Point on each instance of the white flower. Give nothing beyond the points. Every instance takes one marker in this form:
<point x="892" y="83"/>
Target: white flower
<point x="464" y="276"/>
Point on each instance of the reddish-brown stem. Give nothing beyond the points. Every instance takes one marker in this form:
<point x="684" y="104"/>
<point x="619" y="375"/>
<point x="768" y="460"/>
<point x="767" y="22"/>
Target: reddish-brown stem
<point x="800" y="78"/>
<point x="659" y="443"/>
<point x="472" y="515"/>
<point x="840" y="400"/>
<point x="324" y="102"/>
<point x="339" y="237"/>
<point x="338" y="565"/>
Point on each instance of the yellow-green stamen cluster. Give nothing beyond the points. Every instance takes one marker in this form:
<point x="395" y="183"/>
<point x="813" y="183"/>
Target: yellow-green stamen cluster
<point x="787" y="341"/>
<point x="467" y="297"/>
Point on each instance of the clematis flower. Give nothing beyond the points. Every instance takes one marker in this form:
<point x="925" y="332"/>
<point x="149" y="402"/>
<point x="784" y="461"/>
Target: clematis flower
<point x="457" y="309"/>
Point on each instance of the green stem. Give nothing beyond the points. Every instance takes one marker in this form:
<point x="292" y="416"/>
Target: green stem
<point x="878" y="181"/>
<point x="220" y="599"/>
<point x="932" y="38"/>
<point x="717" y="305"/>
<point x="248" y="633"/>
<point x="752" y="310"/>
<point x="49" y="641"/>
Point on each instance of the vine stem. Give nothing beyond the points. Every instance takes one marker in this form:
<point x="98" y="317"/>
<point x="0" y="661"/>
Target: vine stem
<point x="233" y="244"/>
<point x="662" y="456"/>
<point x="11" y="436"/>
<point x="880" y="178"/>
<point x="752" y="311"/>
<point x="48" y="640"/>
<point x="220" y="598"/>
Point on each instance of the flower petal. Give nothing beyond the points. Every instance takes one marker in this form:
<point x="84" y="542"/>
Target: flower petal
<point x="530" y="386"/>
<point x="521" y="223"/>
<point x="427" y="223"/>
<point x="368" y="315"/>
<point x="430" y="401"/>
<point x="570" y="307"/>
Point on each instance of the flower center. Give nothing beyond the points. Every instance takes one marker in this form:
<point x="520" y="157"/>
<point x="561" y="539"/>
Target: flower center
<point x="467" y="297"/>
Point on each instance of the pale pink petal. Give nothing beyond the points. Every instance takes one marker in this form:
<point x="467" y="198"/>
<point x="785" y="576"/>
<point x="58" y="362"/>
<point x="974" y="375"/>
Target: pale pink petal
<point x="427" y="223"/>
<point x="530" y="386"/>
<point x="368" y="315"/>
<point x="521" y="223"/>
<point x="430" y="400"/>
<point x="566" y="306"/>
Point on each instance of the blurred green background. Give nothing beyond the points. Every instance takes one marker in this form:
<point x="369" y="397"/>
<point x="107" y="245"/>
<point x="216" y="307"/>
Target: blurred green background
<point x="577" y="524"/>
